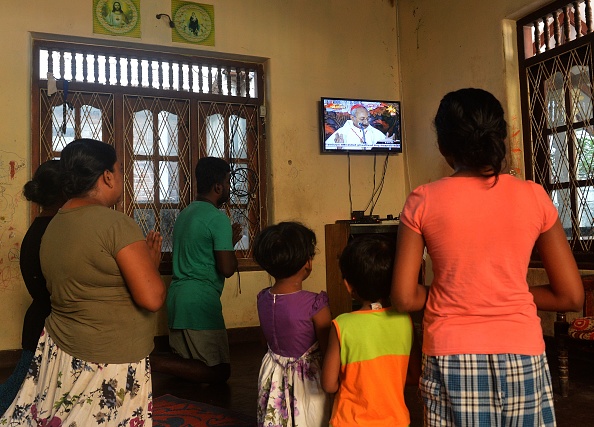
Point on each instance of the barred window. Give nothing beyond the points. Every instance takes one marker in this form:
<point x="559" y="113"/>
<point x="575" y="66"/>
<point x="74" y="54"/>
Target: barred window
<point x="555" y="45"/>
<point x="161" y="112"/>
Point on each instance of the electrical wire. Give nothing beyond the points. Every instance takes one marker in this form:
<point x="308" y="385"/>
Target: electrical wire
<point x="244" y="187"/>
<point x="377" y="191"/>
<point x="372" y="191"/>
<point x="244" y="180"/>
<point x="381" y="184"/>
<point x="402" y="122"/>
<point x="350" y="189"/>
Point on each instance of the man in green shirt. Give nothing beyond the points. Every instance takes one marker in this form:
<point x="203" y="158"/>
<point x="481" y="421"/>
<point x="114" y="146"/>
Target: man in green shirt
<point x="203" y="256"/>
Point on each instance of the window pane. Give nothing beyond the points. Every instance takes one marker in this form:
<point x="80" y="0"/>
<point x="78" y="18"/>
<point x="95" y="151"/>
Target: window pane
<point x="91" y="123"/>
<point x="101" y="64"/>
<point x="252" y="80"/>
<point x="238" y="215"/>
<point x="237" y="132"/>
<point x="581" y="101"/>
<point x="169" y="182"/>
<point x="142" y="143"/>
<point x="555" y="100"/>
<point x="586" y="212"/>
<point x="62" y="127"/>
<point x="167" y="134"/>
<point x="215" y="136"/>
<point x="559" y="171"/>
<point x="145" y="218"/>
<point x="585" y="153"/>
<point x="144" y="179"/>
<point x="167" y="218"/>
<point x="134" y="75"/>
<point x="152" y="127"/>
<point x="91" y="77"/>
<point x="240" y="186"/>
<point x="562" y="201"/>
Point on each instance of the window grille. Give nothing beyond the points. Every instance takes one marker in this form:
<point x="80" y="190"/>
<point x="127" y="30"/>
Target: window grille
<point x="556" y="83"/>
<point x="125" y="68"/>
<point x="161" y="112"/>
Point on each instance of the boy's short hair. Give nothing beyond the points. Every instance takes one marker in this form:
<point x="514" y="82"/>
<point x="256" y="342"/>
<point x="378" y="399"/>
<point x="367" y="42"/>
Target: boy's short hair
<point x="284" y="248"/>
<point x="366" y="264"/>
<point x="210" y="171"/>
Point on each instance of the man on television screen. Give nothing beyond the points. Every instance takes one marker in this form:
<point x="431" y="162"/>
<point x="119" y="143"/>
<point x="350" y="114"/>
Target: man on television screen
<point x="356" y="133"/>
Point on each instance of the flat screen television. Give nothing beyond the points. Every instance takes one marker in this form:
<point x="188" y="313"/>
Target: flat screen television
<point x="360" y="126"/>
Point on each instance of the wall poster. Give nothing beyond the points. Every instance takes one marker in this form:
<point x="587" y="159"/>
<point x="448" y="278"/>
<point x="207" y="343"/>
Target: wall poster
<point x="117" y="17"/>
<point x="194" y="23"/>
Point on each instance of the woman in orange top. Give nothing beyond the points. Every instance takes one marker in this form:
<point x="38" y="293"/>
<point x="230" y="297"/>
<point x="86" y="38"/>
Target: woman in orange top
<point x="483" y="349"/>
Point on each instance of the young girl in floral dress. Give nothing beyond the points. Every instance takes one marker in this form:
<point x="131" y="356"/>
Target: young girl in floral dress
<point x="296" y="325"/>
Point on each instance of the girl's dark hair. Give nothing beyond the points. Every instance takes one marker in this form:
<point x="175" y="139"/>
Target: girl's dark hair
<point x="471" y="129"/>
<point x="367" y="263"/>
<point x="45" y="188"/>
<point x="284" y="248"/>
<point x="82" y="162"/>
<point x="210" y="171"/>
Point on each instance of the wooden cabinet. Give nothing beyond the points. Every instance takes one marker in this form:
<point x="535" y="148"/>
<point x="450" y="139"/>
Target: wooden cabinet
<point x="337" y="236"/>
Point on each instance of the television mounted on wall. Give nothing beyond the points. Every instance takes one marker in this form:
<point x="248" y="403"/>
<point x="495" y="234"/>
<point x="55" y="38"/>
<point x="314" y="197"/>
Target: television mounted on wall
<point x="360" y="126"/>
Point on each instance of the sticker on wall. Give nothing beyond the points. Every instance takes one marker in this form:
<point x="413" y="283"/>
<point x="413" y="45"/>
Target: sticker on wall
<point x="117" y="17"/>
<point x="194" y="23"/>
<point x="12" y="176"/>
<point x="516" y="148"/>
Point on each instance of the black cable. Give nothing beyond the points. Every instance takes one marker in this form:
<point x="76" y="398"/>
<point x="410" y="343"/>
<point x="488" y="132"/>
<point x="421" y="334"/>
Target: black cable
<point x="380" y="187"/>
<point x="161" y="15"/>
<point x="350" y="189"/>
<point x="381" y="184"/>
<point x="244" y="186"/>
<point x="372" y="191"/>
<point x="241" y="178"/>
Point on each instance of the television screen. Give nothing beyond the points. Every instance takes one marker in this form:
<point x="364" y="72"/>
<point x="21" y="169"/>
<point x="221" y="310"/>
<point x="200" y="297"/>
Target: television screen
<point x="360" y="126"/>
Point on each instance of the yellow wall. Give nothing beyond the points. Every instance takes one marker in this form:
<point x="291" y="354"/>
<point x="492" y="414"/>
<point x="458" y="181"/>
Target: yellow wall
<point x="314" y="48"/>
<point x="446" y="46"/>
<point x="345" y="48"/>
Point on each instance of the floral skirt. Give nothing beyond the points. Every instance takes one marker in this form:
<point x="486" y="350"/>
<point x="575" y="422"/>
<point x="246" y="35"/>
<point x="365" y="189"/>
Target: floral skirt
<point x="290" y="392"/>
<point x="61" y="390"/>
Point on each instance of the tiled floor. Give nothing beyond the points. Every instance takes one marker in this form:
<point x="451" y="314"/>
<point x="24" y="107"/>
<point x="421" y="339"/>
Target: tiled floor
<point x="240" y="393"/>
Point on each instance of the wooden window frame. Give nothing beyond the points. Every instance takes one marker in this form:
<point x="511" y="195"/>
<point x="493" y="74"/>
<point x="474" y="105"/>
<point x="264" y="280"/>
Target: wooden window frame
<point x="547" y="37"/>
<point x="197" y="84"/>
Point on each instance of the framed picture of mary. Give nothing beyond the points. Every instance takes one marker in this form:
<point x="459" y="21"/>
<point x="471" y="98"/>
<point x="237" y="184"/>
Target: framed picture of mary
<point x="117" y="17"/>
<point x="194" y="23"/>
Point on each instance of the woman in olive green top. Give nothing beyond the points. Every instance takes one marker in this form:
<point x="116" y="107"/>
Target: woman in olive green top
<point x="91" y="364"/>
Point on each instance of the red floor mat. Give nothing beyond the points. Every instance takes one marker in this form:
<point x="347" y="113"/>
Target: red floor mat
<point x="171" y="411"/>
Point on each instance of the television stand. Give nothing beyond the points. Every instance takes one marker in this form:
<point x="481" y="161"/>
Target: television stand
<point x="337" y="236"/>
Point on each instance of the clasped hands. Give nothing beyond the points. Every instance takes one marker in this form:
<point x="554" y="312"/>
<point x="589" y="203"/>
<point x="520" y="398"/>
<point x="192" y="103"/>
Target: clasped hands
<point x="154" y="241"/>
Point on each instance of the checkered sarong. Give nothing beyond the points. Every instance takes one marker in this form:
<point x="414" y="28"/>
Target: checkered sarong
<point x="487" y="390"/>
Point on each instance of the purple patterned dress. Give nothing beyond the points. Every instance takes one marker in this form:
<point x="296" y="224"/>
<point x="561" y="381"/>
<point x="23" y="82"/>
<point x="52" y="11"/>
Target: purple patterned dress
<point x="289" y="388"/>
